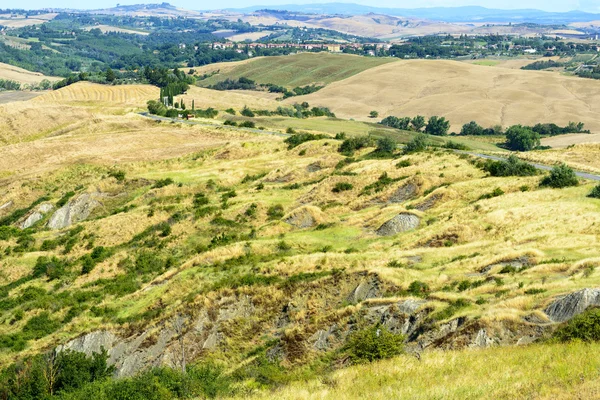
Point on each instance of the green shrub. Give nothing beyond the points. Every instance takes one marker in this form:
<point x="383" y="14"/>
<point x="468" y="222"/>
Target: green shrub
<point x="275" y="212"/>
<point x="342" y="187"/>
<point x="521" y="138"/>
<point x="247" y="124"/>
<point x="162" y="183"/>
<point x="495" y="193"/>
<point x="373" y="343"/>
<point x="560" y="177"/>
<point x="229" y="122"/>
<point x="403" y="164"/>
<point x="350" y="145"/>
<point x="148" y="262"/>
<point x="118" y="175"/>
<point x="385" y="145"/>
<point x="283" y="246"/>
<point x="252" y="178"/>
<point x="417" y="144"/>
<point x="418" y="288"/>
<point x="52" y="268"/>
<point x="535" y="291"/>
<point x="299" y="138"/>
<point x="120" y="285"/>
<point x="585" y="326"/>
<point x="246" y="112"/>
<point x="509" y="167"/>
<point x="595" y="193"/>
<point x="63" y="200"/>
<point x="39" y="326"/>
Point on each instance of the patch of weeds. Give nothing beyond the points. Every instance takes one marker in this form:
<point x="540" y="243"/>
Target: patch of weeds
<point x="117" y="174"/>
<point x="275" y="212"/>
<point x="293" y="186"/>
<point x="453" y="308"/>
<point x="324" y="225"/>
<point x="418" y="288"/>
<point x="395" y="264"/>
<point x="403" y="164"/>
<point x="345" y="162"/>
<point x="64" y="199"/>
<point x="283" y="246"/>
<point x="382" y="182"/>
<point x="535" y="291"/>
<point x="342" y="187"/>
<point x="162" y="183"/>
<point x="252" y="178"/>
<point x="495" y="193"/>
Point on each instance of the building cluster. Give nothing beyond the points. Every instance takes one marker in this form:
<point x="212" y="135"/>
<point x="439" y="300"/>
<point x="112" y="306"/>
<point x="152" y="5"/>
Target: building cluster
<point x="332" y="47"/>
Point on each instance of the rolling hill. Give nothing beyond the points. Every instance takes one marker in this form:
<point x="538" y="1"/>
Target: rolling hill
<point x="260" y="259"/>
<point x="291" y="71"/>
<point x="10" y="72"/>
<point x="463" y="92"/>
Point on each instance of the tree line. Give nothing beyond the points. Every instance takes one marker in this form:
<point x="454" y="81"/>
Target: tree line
<point x="518" y="137"/>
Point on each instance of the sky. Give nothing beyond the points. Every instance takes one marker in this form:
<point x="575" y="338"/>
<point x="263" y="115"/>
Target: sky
<point x="546" y="5"/>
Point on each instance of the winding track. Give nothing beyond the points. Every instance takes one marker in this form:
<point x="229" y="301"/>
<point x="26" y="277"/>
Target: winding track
<point x="582" y="175"/>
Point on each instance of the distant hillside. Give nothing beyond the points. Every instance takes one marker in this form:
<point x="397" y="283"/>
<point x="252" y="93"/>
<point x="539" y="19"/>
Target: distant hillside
<point x="158" y="10"/>
<point x="447" y="14"/>
<point x="291" y="71"/>
<point x="462" y="92"/>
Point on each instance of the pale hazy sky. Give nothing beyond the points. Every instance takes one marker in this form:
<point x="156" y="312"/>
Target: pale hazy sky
<point x="547" y="5"/>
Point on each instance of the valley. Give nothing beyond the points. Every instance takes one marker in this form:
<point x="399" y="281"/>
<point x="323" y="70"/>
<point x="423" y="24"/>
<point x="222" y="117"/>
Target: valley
<point x="180" y="219"/>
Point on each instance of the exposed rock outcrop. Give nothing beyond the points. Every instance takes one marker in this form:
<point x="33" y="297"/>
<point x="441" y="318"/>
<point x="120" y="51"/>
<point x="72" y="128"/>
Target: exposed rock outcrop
<point x="36" y="215"/>
<point x="400" y="223"/>
<point x="519" y="264"/>
<point x="367" y="289"/>
<point x="76" y="210"/>
<point x="404" y="192"/>
<point x="566" y="307"/>
<point x="6" y="205"/>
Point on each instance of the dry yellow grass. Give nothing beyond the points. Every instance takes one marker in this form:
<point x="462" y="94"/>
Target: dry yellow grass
<point x="251" y="36"/>
<point x="584" y="157"/>
<point x="532" y="372"/>
<point x="463" y="92"/>
<point x="19" y="21"/>
<point x="101" y="96"/>
<point x="68" y="109"/>
<point x="222" y="100"/>
<point x="570" y="139"/>
<point x="514" y="63"/>
<point x="21" y="75"/>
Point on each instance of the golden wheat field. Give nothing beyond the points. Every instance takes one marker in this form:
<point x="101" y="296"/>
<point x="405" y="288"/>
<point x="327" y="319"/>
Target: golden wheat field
<point x="58" y="112"/>
<point x="10" y="72"/>
<point x="462" y="92"/>
<point x="102" y="96"/>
